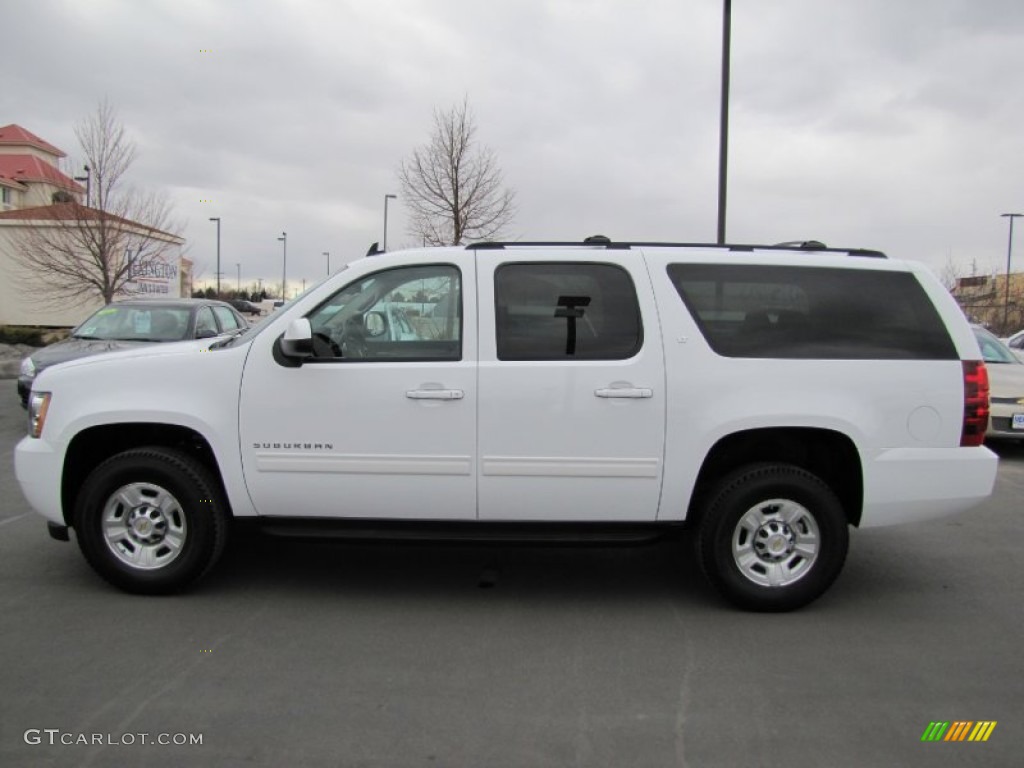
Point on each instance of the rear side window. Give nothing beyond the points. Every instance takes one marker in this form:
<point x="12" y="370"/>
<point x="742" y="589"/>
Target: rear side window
<point x="566" y="311"/>
<point x="812" y="312"/>
<point x="228" y="321"/>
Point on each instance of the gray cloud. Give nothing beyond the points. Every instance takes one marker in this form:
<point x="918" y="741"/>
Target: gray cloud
<point x="882" y="123"/>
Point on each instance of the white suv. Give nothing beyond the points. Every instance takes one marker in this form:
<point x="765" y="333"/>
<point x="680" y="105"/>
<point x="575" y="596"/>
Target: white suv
<point x="769" y="397"/>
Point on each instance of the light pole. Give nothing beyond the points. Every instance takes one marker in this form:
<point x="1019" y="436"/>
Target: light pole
<point x="217" y="219"/>
<point x="238" y="275"/>
<point x="284" y="264"/>
<point x="386" y="198"/>
<point x="723" y="125"/>
<point x="1009" y="255"/>
<point x="328" y="255"/>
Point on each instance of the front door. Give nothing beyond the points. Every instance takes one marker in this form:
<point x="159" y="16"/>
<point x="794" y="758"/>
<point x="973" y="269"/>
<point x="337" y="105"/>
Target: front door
<point x="381" y="423"/>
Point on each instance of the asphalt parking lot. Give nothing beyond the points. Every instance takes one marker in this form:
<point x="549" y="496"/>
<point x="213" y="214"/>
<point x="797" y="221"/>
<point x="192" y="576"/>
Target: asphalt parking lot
<point x="331" y="654"/>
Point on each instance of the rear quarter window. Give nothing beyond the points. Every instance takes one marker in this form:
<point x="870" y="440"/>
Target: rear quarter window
<point x="812" y="312"/>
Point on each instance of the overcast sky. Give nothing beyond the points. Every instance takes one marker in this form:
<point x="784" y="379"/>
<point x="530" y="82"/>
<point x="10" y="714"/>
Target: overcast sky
<point x="890" y="124"/>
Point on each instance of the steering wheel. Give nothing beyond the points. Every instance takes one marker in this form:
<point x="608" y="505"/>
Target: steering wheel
<point x="353" y="342"/>
<point x="325" y="346"/>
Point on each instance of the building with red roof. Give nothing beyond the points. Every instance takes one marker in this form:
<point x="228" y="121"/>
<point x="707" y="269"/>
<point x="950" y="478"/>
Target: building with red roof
<point x="37" y="196"/>
<point x="30" y="173"/>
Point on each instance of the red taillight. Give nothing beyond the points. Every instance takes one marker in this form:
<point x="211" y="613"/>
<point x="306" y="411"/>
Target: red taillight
<point x="975" y="403"/>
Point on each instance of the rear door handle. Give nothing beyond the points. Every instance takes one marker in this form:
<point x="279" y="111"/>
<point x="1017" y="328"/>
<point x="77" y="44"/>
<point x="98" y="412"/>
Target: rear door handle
<point x="635" y="393"/>
<point x="435" y="394"/>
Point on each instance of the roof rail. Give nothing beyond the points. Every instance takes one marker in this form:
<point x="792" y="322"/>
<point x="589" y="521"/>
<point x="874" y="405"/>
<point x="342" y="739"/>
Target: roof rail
<point x="803" y="245"/>
<point x="601" y="241"/>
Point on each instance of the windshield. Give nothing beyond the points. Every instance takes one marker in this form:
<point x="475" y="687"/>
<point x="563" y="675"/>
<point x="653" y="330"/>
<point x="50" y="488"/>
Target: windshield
<point x="993" y="350"/>
<point x="135" y="323"/>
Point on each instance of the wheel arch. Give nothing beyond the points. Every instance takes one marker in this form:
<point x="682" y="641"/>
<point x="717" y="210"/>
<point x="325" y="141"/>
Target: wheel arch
<point x="91" y="447"/>
<point x="830" y="455"/>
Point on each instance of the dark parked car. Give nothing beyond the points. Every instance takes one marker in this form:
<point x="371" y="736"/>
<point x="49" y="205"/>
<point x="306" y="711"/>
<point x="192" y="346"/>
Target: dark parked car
<point x="133" y="323"/>
<point x="245" y="306"/>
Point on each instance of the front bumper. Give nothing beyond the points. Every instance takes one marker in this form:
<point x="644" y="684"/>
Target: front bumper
<point x="38" y="468"/>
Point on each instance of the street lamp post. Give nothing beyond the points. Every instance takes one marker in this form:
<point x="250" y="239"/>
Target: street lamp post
<point x="328" y="255"/>
<point x="386" y="198"/>
<point x="284" y="264"/>
<point x="238" y="275"/>
<point x="723" y="124"/>
<point x="217" y="219"/>
<point x="1009" y="256"/>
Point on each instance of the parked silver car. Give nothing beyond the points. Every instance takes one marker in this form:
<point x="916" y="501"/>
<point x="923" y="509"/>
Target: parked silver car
<point x="134" y="323"/>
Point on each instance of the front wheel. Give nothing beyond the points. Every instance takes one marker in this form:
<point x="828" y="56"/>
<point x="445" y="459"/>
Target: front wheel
<point x="151" y="520"/>
<point x="773" y="538"/>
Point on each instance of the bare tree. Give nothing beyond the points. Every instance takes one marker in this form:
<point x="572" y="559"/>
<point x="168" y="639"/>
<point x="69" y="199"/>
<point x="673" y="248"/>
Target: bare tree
<point x="76" y="252"/>
<point x="453" y="187"/>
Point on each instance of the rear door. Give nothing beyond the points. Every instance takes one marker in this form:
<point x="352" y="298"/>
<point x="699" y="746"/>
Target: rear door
<point x="571" y="387"/>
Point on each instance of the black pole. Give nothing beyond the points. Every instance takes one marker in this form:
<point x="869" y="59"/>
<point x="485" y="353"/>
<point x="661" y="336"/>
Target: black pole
<point x="1009" y="256"/>
<point x="723" y="135"/>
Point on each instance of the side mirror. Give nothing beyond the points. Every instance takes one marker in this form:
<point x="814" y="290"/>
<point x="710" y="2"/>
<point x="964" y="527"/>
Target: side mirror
<point x="375" y="323"/>
<point x="297" y="342"/>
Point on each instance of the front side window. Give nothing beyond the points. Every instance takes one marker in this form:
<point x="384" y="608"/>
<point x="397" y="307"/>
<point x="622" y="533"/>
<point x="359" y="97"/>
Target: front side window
<point x="566" y="311"/>
<point x="410" y="314"/>
<point x="771" y="311"/>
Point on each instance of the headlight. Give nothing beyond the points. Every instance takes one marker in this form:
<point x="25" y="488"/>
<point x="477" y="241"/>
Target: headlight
<point x="28" y="368"/>
<point x="38" y="405"/>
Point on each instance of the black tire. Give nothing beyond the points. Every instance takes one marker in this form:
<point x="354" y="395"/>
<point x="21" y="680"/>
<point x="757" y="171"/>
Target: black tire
<point x="773" y="538"/>
<point x="151" y="520"/>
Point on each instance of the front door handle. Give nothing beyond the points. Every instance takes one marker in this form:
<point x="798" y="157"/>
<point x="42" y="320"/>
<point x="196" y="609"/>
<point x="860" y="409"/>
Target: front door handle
<point x="635" y="393"/>
<point x="435" y="394"/>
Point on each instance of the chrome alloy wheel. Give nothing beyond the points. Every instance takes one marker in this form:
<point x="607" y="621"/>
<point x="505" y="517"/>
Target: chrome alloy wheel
<point x="776" y="543"/>
<point x="144" y="526"/>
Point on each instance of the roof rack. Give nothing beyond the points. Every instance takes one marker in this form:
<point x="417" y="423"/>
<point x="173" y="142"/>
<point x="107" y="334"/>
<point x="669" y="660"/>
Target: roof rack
<point x="601" y="241"/>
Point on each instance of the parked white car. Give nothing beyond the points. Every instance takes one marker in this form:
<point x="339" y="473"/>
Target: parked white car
<point x="769" y="397"/>
<point x="1006" y="380"/>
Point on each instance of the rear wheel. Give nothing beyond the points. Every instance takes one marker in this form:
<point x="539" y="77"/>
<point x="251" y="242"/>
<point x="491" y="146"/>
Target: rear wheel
<point x="773" y="538"/>
<point x="151" y="520"/>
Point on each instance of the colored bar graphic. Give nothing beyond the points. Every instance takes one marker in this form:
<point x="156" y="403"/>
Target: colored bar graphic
<point x="982" y="730"/>
<point x="958" y="730"/>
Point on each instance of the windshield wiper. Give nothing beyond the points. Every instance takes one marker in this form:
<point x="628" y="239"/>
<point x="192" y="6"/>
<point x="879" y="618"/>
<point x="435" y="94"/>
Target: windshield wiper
<point x="225" y="342"/>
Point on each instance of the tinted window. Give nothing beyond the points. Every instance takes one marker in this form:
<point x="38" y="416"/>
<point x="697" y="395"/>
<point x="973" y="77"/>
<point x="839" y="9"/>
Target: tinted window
<point x="567" y="311"/>
<point x="412" y="313"/>
<point x="812" y="312"/>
